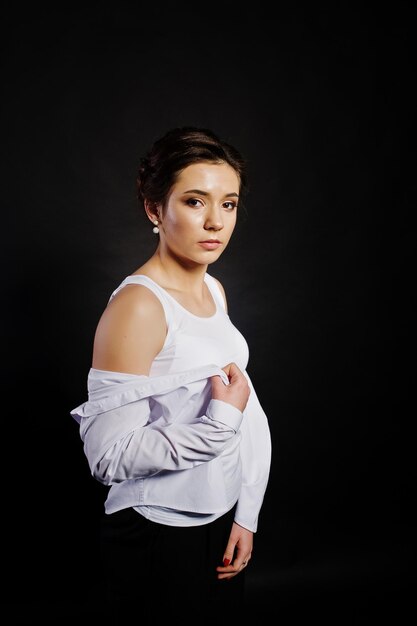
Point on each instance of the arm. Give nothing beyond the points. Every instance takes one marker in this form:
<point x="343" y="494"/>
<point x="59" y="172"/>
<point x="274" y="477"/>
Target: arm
<point x="130" y="333"/>
<point x="255" y="453"/>
<point x="120" y="443"/>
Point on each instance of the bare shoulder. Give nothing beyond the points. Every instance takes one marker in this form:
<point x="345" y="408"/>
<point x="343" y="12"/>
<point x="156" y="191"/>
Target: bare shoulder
<point x="134" y="300"/>
<point x="130" y="332"/>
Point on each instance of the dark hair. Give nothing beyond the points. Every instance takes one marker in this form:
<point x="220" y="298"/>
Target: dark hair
<point x="177" y="149"/>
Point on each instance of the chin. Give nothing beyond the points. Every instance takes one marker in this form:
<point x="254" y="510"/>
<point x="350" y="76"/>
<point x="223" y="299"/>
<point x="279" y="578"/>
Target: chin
<point x="212" y="257"/>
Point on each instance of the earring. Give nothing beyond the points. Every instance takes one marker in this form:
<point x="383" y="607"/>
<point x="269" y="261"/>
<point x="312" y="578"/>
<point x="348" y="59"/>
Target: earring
<point x="155" y="229"/>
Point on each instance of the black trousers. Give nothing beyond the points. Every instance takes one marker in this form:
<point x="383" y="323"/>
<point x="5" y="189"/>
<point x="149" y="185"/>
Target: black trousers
<point x="167" y="574"/>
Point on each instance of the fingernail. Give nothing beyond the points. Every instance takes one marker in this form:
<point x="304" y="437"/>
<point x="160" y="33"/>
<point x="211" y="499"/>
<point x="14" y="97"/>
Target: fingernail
<point x="226" y="562"/>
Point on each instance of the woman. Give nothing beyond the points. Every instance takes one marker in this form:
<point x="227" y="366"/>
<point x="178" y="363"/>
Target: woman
<point x="172" y="423"/>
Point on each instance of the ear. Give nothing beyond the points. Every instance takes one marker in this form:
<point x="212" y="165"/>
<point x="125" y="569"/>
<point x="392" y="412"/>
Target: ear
<point x="151" y="210"/>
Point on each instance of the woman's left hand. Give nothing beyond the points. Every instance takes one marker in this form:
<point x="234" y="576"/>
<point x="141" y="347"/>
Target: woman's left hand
<point x="237" y="554"/>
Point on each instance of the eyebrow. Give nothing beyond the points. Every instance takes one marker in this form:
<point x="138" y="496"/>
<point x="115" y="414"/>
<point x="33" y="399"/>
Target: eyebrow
<point x="205" y="193"/>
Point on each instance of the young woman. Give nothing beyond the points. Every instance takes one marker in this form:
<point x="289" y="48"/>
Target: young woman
<point x="172" y="423"/>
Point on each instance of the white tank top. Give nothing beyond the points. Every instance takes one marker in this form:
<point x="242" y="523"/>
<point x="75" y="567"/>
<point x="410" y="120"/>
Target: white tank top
<point x="191" y="340"/>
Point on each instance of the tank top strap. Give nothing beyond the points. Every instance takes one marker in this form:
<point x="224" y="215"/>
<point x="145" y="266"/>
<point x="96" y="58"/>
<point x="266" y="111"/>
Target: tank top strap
<point x="215" y="291"/>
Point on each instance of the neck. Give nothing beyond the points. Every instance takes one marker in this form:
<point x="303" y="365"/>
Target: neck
<point x="172" y="273"/>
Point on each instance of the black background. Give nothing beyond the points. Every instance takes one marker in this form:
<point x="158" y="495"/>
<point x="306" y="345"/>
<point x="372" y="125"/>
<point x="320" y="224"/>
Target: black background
<point x="319" y="280"/>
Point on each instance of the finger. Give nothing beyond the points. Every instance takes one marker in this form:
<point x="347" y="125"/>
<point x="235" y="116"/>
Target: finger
<point x="216" y="381"/>
<point x="232" y="369"/>
<point x="226" y="369"/>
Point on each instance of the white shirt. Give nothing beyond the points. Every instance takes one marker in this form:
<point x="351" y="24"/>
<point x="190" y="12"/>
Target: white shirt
<point x="162" y="443"/>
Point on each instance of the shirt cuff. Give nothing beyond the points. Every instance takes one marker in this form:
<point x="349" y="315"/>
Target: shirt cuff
<point x="226" y="413"/>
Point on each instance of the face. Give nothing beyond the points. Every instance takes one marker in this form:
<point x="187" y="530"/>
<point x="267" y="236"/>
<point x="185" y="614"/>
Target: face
<point x="200" y="213"/>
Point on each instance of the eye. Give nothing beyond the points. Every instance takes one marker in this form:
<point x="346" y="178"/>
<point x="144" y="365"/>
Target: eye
<point x="230" y="205"/>
<point x="194" y="202"/>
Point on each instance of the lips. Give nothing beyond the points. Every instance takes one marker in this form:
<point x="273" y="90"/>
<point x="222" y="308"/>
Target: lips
<point x="210" y="244"/>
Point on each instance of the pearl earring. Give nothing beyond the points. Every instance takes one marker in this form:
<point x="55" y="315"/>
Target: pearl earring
<point x="155" y="229"/>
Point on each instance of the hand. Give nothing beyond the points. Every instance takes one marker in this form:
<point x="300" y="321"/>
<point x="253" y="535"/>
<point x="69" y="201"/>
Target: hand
<point x="236" y="392"/>
<point x="237" y="554"/>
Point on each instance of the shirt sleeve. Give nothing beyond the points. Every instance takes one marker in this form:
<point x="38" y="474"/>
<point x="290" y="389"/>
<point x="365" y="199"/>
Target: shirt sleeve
<point x="255" y="453"/>
<point x="121" y="443"/>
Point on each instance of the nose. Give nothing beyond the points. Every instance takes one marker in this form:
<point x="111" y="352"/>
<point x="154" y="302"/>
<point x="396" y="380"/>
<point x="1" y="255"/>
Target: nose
<point x="214" y="219"/>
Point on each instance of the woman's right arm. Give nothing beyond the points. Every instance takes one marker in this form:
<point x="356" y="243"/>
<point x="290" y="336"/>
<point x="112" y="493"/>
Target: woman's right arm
<point x="130" y="333"/>
<point x="120" y="444"/>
